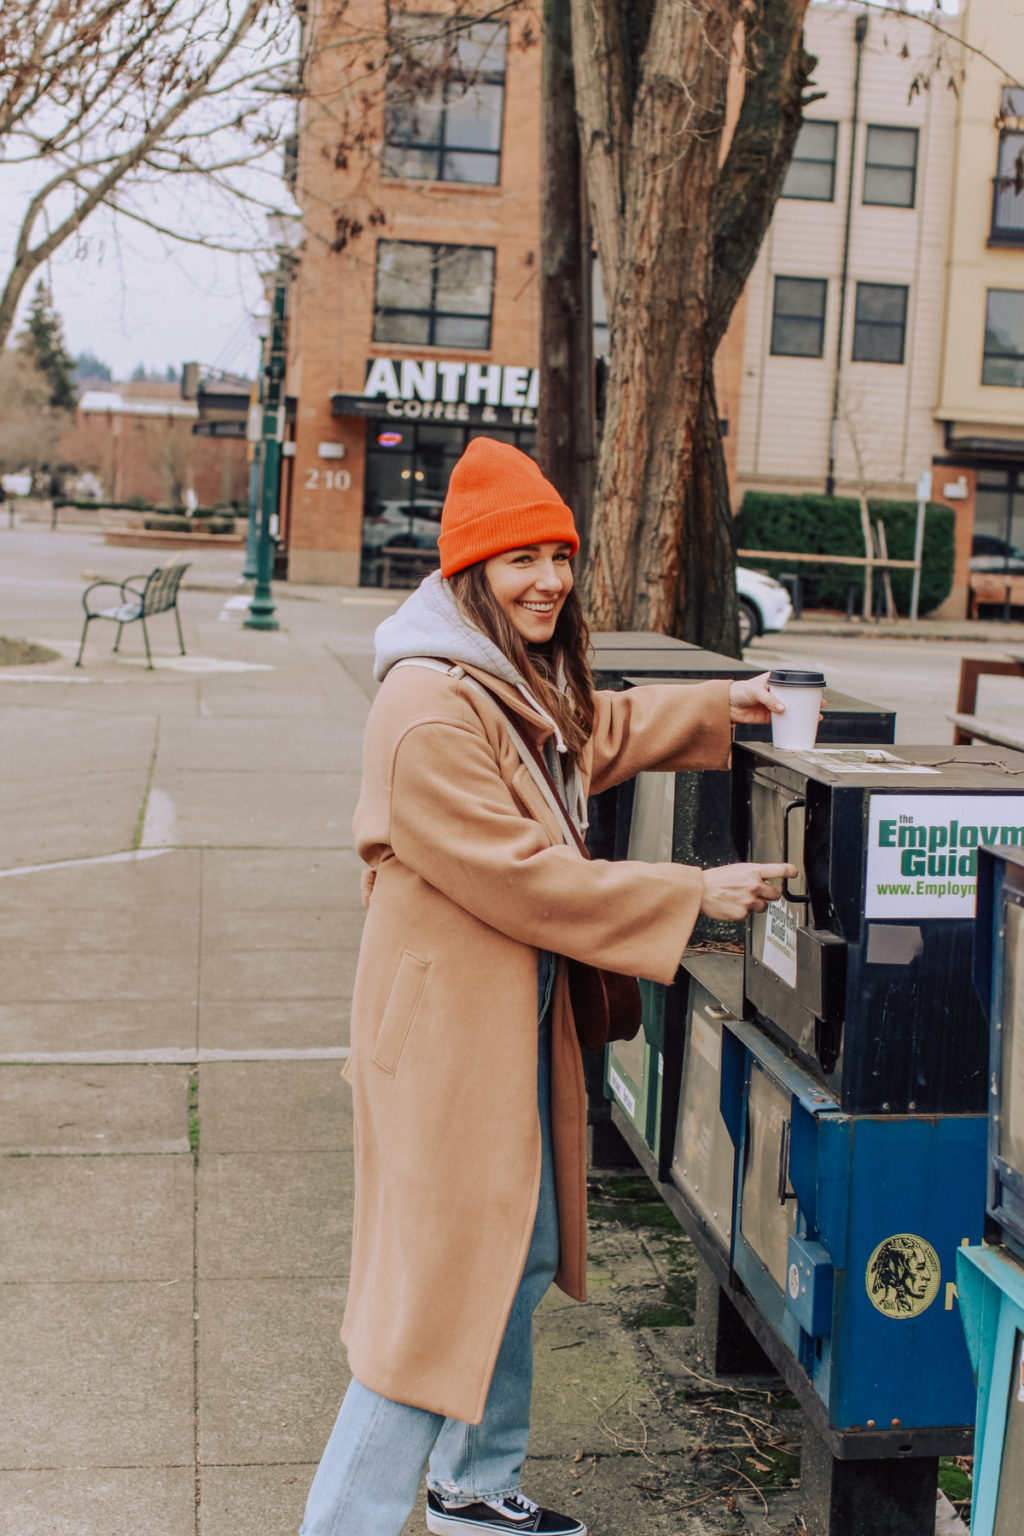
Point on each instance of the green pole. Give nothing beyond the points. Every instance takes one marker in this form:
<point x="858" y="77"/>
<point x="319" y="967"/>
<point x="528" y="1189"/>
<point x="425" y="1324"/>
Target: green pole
<point x="252" y="532"/>
<point x="261" y="609"/>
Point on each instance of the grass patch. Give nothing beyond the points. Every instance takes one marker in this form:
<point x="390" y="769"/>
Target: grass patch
<point x="193" y="1111"/>
<point x="140" y="822"/>
<point x="24" y="653"/>
<point x="955" y="1480"/>
<point x="670" y="1315"/>
<point x="772" y="1466"/>
<point x="630" y="1203"/>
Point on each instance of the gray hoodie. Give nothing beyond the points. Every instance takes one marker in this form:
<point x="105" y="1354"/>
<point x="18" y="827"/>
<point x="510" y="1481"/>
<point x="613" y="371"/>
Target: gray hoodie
<point x="431" y="623"/>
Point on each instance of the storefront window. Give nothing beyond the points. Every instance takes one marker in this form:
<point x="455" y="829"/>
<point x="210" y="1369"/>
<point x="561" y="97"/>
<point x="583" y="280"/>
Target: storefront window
<point x="408" y="466"/>
<point x="433" y="295"/>
<point x="998" y="543"/>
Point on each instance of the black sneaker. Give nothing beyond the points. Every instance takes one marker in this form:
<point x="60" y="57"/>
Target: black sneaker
<point x="515" y="1512"/>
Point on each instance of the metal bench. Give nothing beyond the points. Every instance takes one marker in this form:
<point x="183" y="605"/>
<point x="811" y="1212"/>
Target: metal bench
<point x="158" y="594"/>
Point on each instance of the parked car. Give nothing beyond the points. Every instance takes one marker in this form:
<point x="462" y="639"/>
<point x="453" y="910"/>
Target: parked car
<point x="991" y="554"/>
<point x="764" y="604"/>
<point x="403" y="525"/>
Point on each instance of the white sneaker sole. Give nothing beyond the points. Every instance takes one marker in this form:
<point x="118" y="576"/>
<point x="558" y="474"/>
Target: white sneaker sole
<point x="458" y="1525"/>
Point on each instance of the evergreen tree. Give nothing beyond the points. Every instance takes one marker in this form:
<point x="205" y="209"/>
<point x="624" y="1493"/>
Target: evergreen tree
<point x="43" y="340"/>
<point x="89" y="366"/>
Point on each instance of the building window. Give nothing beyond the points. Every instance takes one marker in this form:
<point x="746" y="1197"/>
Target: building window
<point x="812" y="170"/>
<point x="445" y="101"/>
<point x="879" y="323"/>
<point x="433" y="295"/>
<point x="1008" y="184"/>
<point x="798" y="321"/>
<point x="1003" y="362"/>
<point x="998" y="521"/>
<point x="890" y="167"/>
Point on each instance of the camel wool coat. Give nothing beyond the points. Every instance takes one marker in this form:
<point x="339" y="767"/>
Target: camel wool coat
<point x="470" y="878"/>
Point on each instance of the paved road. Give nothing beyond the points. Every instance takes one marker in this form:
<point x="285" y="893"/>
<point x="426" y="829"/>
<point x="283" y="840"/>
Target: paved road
<point x="918" y="678"/>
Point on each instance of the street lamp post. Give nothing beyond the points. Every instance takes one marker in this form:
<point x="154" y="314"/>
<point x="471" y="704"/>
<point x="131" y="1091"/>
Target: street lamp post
<point x="261" y="608"/>
<point x="254" y="435"/>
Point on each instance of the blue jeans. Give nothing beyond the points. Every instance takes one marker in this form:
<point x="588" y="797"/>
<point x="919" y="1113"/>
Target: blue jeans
<point x="370" y="1474"/>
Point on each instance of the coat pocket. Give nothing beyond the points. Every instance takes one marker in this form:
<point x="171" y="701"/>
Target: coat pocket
<point x="403" y="1001"/>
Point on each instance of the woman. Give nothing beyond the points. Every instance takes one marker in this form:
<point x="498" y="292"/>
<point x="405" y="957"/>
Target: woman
<point x="470" y="1113"/>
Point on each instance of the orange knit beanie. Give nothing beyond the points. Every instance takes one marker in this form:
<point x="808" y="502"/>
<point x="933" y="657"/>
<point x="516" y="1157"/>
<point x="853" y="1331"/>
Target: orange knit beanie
<point x="497" y="500"/>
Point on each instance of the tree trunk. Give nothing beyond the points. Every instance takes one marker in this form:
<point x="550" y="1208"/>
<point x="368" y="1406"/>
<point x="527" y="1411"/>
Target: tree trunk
<point x="685" y="237"/>
<point x="565" y="429"/>
<point x="639" y="574"/>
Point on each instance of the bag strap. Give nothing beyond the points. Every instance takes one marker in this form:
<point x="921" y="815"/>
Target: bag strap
<point x="532" y="758"/>
<point x="533" y="761"/>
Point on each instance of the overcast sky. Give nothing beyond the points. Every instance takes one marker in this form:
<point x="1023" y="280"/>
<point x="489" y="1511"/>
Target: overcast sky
<point x="132" y="296"/>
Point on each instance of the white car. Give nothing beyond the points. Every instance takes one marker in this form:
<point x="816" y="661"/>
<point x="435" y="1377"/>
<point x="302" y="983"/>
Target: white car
<point x="764" y="604"/>
<point x="403" y="525"/>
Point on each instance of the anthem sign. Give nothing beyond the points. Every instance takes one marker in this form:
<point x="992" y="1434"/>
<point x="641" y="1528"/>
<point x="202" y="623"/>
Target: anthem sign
<point x="429" y="389"/>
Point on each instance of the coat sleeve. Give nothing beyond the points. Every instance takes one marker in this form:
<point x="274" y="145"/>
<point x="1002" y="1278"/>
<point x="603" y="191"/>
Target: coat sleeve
<point x="669" y="726"/>
<point x="456" y="824"/>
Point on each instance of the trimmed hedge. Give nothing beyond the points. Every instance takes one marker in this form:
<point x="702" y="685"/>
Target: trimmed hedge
<point x="137" y="504"/>
<point x="211" y="523"/>
<point x="831" y="525"/>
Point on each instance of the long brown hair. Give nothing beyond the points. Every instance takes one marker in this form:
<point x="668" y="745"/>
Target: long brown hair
<point x="540" y="666"/>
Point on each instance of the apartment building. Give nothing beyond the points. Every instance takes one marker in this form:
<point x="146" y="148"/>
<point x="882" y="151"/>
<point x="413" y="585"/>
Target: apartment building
<point x="416" y="310"/>
<point x="980" y="404"/>
<point x="844" y="316"/>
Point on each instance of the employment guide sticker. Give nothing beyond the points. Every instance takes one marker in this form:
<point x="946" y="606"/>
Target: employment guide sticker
<point x="923" y="850"/>
<point x="779" y="950"/>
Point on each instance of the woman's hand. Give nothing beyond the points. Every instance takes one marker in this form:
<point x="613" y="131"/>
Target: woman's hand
<point x="733" y="890"/>
<point x="752" y="703"/>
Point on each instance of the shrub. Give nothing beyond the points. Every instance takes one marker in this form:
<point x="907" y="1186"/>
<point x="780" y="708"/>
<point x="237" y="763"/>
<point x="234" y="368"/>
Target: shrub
<point x="831" y="525"/>
<point x="167" y="523"/>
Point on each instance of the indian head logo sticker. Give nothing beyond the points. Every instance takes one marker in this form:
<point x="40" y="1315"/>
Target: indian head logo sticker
<point x="903" y="1275"/>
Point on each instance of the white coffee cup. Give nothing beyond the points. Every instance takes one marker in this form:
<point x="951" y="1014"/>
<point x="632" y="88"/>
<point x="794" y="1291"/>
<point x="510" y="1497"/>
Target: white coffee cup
<point x="800" y="690"/>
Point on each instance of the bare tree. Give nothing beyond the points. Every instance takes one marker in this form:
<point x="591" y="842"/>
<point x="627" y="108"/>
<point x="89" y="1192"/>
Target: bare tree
<point x="100" y="97"/>
<point x="677" y="232"/>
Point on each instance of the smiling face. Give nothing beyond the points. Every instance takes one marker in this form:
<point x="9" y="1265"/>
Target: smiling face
<point x="531" y="585"/>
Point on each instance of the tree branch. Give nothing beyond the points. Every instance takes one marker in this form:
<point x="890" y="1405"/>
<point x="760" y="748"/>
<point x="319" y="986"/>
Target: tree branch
<point x="941" y="27"/>
<point x="29" y="257"/>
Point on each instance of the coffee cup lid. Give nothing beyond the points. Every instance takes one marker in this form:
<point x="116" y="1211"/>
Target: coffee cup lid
<point x="795" y="677"/>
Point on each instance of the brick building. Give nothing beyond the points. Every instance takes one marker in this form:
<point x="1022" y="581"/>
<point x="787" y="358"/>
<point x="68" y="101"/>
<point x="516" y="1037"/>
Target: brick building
<point x="415" y="315"/>
<point x="137" y="439"/>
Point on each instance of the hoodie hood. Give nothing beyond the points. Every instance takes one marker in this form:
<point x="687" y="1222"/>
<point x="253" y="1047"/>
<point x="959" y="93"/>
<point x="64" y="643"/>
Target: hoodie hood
<point x="431" y="623"/>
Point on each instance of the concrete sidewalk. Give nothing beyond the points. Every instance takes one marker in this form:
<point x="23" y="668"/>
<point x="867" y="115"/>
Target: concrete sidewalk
<point x="180" y="910"/>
